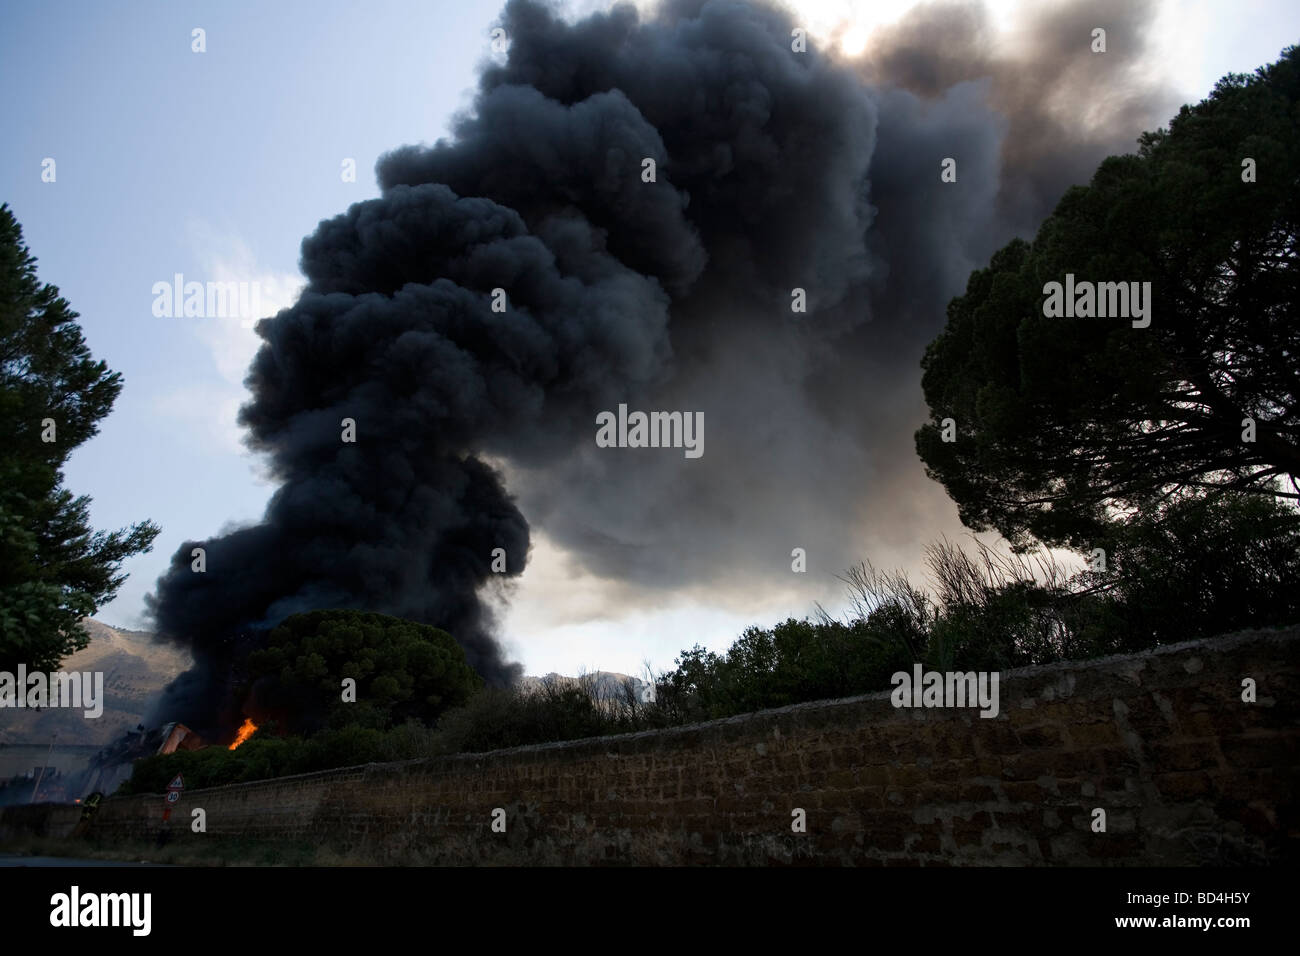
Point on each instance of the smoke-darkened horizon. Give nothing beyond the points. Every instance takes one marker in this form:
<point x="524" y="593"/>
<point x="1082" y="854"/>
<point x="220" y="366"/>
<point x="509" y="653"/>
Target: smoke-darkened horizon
<point x="775" y="170"/>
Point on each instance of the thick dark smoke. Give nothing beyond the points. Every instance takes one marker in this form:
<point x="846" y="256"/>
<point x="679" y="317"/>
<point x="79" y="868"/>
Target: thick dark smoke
<point x="775" y="170"/>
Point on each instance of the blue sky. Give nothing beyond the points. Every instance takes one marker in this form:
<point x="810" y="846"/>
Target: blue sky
<point x="215" y="165"/>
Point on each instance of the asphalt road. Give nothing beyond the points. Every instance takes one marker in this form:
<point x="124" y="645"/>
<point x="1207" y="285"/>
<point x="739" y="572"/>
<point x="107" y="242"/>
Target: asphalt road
<point x="10" y="859"/>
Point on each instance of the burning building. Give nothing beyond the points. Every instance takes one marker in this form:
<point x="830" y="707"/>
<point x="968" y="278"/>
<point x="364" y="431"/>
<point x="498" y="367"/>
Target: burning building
<point x="112" y="766"/>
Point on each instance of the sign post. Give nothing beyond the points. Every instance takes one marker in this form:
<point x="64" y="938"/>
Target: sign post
<point x="173" y="795"/>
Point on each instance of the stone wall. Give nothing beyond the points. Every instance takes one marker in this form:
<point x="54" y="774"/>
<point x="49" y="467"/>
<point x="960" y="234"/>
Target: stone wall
<point x="1185" y="770"/>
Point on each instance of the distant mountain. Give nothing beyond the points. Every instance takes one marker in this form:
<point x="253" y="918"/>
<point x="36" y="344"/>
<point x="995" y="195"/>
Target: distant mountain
<point x="603" y="685"/>
<point x="135" y="668"/>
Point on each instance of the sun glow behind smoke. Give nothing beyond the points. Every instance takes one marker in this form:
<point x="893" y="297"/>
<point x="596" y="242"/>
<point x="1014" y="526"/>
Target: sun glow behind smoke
<point x="847" y="25"/>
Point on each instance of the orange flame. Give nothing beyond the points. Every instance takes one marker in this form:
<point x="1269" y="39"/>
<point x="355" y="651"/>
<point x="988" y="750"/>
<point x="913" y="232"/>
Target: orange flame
<point x="246" y="731"/>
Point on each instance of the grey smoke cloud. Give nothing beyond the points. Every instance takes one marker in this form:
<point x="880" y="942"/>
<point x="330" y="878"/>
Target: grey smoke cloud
<point x="775" y="170"/>
<point x="837" y="190"/>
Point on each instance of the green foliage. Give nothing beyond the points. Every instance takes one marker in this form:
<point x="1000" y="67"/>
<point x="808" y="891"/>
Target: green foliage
<point x="1063" y="425"/>
<point x="1199" y="567"/>
<point x="54" y="569"/>
<point x="498" y="718"/>
<point x="997" y="611"/>
<point x="791" y="662"/>
<point x="403" y="671"/>
<point x="1205" y="567"/>
<point x="267" y="755"/>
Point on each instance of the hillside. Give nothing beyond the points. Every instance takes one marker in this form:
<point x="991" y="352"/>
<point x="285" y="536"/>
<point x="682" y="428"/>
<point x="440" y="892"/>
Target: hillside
<point x="135" y="669"/>
<point x="604" y="685"/>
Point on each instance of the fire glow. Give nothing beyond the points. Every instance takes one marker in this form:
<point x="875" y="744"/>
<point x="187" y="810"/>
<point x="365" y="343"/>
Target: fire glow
<point x="246" y="731"/>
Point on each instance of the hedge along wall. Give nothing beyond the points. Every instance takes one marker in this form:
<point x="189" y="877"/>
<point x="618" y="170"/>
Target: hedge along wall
<point x="1186" y="771"/>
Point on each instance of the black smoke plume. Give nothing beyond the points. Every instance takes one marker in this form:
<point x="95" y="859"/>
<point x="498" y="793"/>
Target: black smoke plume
<point x="774" y="170"/>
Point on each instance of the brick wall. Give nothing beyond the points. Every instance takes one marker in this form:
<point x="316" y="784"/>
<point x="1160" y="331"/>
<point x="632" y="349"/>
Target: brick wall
<point x="1186" y="772"/>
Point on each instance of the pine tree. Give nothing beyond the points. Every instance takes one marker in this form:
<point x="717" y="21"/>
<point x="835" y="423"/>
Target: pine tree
<point x="1064" y="424"/>
<point x="54" y="568"/>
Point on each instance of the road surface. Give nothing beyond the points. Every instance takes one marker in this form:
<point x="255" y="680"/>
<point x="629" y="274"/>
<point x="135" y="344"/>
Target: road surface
<point x="10" y="859"/>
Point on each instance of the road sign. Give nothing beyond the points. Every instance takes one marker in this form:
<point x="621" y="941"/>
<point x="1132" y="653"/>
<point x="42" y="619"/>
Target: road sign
<point x="178" y="783"/>
<point x="173" y="796"/>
